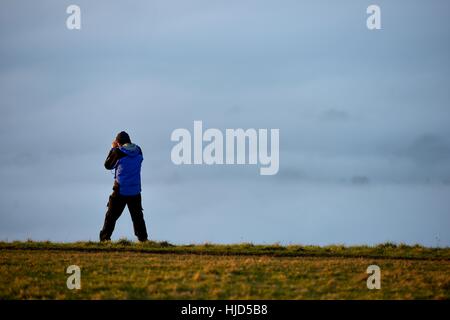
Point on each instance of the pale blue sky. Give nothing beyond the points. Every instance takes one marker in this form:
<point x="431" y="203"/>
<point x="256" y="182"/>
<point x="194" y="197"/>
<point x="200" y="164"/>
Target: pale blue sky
<point x="348" y="102"/>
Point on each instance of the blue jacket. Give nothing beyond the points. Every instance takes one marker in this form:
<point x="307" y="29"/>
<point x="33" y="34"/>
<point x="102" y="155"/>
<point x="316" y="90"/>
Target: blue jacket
<point x="126" y="160"/>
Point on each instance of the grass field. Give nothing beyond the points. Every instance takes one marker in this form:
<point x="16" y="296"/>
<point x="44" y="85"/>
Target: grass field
<point x="127" y="270"/>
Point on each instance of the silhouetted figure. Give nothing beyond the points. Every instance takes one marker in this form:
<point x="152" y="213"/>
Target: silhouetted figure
<point x="126" y="158"/>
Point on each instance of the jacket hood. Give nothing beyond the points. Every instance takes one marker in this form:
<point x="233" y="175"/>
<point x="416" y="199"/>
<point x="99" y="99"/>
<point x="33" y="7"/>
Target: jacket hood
<point x="130" y="149"/>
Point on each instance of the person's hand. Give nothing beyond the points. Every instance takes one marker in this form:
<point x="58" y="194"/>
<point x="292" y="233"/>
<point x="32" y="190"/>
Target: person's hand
<point x="115" y="144"/>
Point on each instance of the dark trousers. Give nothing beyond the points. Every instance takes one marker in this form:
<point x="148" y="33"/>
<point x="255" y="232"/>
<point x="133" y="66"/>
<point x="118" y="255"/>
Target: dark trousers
<point x="116" y="205"/>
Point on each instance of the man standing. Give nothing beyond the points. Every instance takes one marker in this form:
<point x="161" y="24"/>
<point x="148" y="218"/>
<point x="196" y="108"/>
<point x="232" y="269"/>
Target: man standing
<point x="126" y="158"/>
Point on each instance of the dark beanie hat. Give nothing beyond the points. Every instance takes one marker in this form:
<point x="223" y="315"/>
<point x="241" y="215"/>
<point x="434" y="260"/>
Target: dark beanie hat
<point x="123" y="137"/>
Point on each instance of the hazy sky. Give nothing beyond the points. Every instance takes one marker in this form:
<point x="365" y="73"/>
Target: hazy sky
<point x="349" y="103"/>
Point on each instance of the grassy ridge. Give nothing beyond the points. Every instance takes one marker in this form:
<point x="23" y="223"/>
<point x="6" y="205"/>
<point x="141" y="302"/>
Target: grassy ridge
<point x="159" y="270"/>
<point x="385" y="250"/>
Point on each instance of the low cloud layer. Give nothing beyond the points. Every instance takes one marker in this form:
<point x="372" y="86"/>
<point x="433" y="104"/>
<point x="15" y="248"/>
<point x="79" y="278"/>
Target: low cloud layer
<point x="351" y="104"/>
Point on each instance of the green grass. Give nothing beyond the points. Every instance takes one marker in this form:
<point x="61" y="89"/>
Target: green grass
<point x="159" y="270"/>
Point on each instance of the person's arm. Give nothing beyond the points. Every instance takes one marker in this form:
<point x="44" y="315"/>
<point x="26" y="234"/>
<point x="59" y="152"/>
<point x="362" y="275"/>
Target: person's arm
<point x="113" y="156"/>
